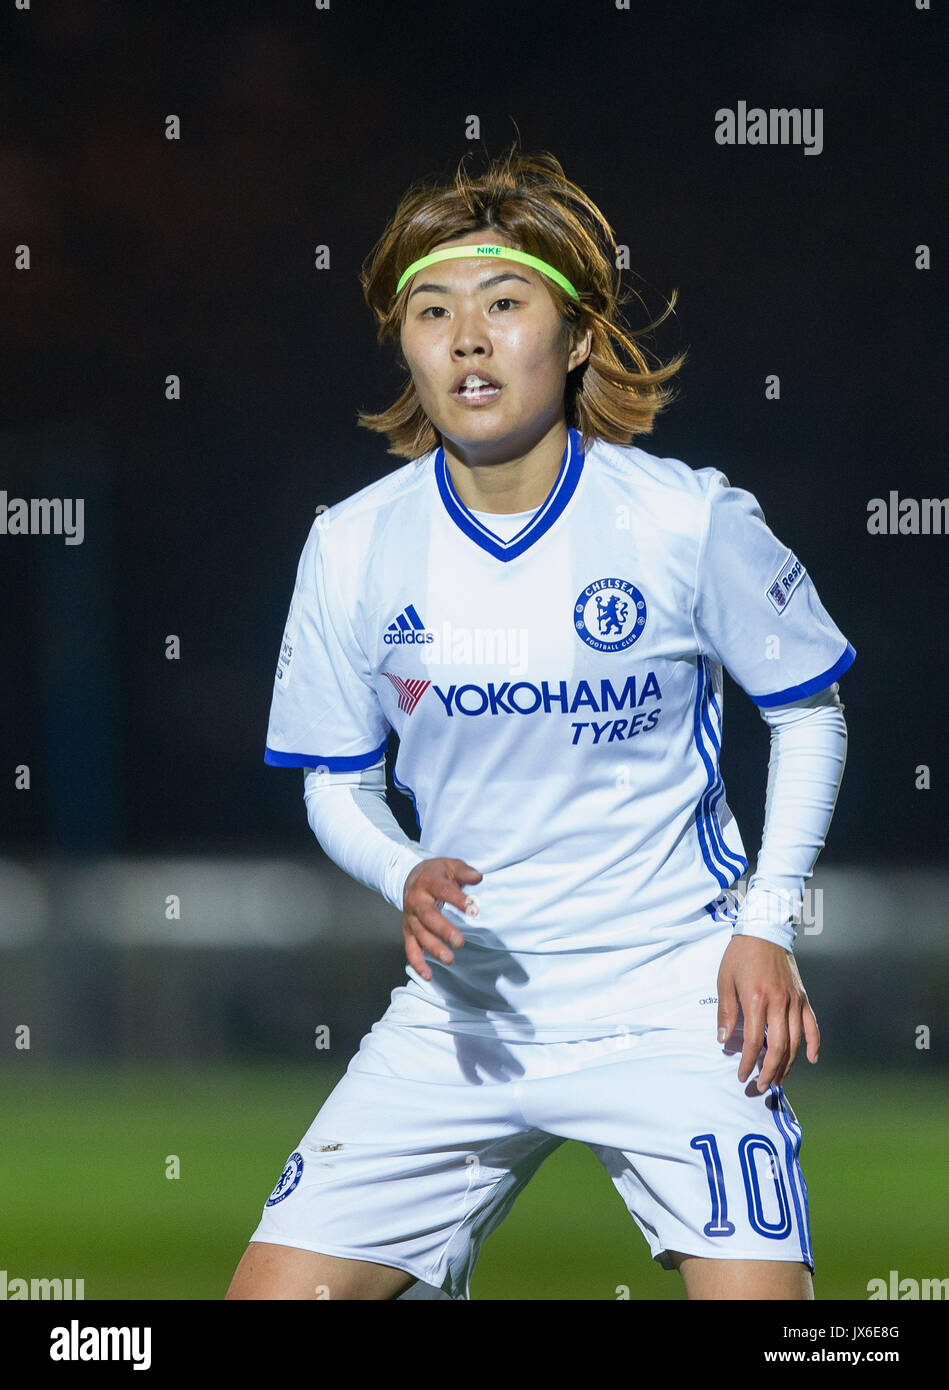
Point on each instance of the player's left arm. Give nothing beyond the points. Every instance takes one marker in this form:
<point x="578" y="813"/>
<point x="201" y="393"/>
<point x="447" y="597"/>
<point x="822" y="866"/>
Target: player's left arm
<point x="758" y="970"/>
<point x="765" y="979"/>
<point x="757" y="613"/>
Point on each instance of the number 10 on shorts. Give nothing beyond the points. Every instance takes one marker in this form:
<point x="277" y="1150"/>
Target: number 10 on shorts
<point x="749" y="1146"/>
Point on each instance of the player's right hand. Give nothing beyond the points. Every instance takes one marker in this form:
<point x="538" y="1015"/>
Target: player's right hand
<point x="428" y="887"/>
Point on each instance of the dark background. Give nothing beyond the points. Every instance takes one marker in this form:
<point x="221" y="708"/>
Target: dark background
<point x="302" y="127"/>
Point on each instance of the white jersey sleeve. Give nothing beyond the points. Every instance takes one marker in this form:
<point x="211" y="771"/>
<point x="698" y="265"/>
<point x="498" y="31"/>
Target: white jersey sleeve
<point x="349" y="815"/>
<point x="756" y="611"/>
<point x="324" y="711"/>
<point x="808" y="753"/>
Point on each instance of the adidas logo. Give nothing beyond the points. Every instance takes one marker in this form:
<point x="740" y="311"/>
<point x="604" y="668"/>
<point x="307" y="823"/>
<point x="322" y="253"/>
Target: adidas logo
<point x="407" y="630"/>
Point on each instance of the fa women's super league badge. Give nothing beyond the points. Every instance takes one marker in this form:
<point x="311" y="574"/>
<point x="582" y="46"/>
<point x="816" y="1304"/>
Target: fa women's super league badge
<point x="610" y="614"/>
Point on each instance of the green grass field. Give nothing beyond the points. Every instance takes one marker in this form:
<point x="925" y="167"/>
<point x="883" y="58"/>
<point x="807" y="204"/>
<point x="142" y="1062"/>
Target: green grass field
<point x="84" y="1191"/>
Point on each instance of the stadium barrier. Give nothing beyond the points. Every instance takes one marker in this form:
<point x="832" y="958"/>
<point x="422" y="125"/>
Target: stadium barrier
<point x="197" y="959"/>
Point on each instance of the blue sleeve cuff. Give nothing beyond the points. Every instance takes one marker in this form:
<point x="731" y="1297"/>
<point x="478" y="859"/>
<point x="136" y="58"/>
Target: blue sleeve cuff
<point x="353" y="764"/>
<point x="800" y="692"/>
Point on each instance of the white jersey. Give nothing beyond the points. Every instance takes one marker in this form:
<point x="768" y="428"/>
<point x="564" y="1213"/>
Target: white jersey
<point x="558" y="702"/>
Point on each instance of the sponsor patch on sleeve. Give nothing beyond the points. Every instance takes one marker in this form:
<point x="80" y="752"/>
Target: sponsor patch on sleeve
<point x="285" y="659"/>
<point x="785" y="582"/>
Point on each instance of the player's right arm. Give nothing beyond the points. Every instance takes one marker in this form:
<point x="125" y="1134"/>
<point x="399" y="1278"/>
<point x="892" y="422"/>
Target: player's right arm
<point x="428" y="887"/>
<point x="326" y="718"/>
<point x="350" y="817"/>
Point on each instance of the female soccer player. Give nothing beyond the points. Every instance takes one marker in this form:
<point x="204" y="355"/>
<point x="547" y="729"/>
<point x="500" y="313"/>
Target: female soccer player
<point x="542" y="611"/>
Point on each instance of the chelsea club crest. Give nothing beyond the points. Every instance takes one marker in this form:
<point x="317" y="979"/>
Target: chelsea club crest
<point x="291" y="1175"/>
<point x="610" y="614"/>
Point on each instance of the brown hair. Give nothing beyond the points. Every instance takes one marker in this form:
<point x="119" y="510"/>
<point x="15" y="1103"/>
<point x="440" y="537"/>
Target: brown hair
<point x="528" y="200"/>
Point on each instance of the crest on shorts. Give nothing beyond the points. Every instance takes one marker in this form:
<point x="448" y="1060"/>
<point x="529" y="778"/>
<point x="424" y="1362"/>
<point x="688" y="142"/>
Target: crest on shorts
<point x="291" y="1175"/>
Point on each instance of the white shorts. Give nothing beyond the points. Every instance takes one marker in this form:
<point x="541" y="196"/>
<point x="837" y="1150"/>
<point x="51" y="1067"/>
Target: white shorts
<point x="421" y="1149"/>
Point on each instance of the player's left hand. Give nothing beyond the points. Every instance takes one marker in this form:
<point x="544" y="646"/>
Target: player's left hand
<point x="763" y="978"/>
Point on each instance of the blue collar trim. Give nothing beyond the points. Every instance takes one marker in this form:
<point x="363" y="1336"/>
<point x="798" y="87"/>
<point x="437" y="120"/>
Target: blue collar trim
<point x="571" y="466"/>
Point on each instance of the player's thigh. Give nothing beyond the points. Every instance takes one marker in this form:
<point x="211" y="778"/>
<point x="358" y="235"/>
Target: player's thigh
<point x="283" y="1272"/>
<point x="416" y="1155"/>
<point x="707" y="1165"/>
<point x="784" y="1280"/>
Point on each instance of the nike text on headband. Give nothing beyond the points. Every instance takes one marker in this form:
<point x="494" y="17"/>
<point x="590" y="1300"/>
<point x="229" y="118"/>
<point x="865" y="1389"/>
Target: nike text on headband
<point x="502" y="253"/>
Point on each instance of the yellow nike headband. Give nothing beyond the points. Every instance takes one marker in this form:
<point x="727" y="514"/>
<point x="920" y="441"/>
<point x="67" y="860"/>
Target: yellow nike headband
<point x="501" y="253"/>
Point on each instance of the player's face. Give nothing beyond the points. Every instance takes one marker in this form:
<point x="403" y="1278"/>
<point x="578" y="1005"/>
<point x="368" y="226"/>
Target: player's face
<point x="497" y="320"/>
